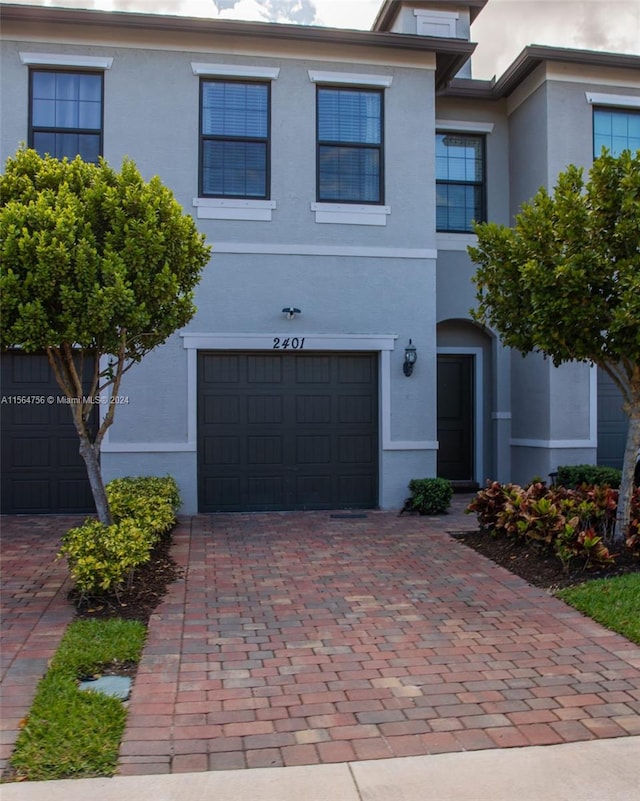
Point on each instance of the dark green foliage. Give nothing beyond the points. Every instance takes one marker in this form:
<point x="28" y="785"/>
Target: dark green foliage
<point x="103" y="559"/>
<point x="574" y="475"/>
<point x="565" y="281"/>
<point x="430" y="496"/>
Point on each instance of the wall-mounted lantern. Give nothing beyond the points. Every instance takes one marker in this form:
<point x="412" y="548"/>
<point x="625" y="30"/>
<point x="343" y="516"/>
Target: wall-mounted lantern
<point x="410" y="358"/>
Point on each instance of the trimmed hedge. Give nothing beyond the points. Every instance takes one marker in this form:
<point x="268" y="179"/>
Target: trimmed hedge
<point x="429" y="496"/>
<point x="103" y="559"/>
<point x="577" y="474"/>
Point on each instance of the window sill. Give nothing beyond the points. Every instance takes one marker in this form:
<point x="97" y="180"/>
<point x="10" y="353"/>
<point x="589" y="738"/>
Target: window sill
<point x="213" y="208"/>
<point x="350" y="213"/>
<point x="451" y="241"/>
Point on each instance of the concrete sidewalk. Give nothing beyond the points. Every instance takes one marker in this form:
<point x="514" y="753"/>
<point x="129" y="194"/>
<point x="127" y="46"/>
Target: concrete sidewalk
<point x="601" y="770"/>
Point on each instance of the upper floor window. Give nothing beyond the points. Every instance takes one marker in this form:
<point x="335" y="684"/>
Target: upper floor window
<point x="234" y="139"/>
<point x="460" y="179"/>
<point x="66" y="113"/>
<point x="616" y="129"/>
<point x="349" y="156"/>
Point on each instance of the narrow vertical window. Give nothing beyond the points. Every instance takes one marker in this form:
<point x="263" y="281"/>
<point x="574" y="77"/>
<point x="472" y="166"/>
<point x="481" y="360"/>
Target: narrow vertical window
<point x="460" y="181"/>
<point x="234" y="139"/>
<point x="350" y="154"/>
<point x="615" y="129"/>
<point x="65" y="114"/>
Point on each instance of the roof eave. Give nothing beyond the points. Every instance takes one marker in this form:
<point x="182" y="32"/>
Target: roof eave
<point x="451" y="54"/>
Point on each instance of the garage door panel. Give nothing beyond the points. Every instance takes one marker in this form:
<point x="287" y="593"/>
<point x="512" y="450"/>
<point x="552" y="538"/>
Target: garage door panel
<point x="264" y="409"/>
<point x="68" y="450"/>
<point x="266" y="491"/>
<point x="29" y="452"/>
<point x="34" y="369"/>
<point x="42" y="471"/>
<point x="223" y="490"/>
<point x="222" y="409"/>
<point x="313" y="449"/>
<point x="264" y="370"/>
<point x="313" y="369"/>
<point x="355" y="449"/>
<point x="222" y="450"/>
<point x="221" y="368"/>
<point x="355" y="409"/>
<point x="28" y="495"/>
<point x="314" y="491"/>
<point x="313" y="409"/>
<point x="264" y="450"/>
<point x="295" y="432"/>
<point x="355" y="370"/>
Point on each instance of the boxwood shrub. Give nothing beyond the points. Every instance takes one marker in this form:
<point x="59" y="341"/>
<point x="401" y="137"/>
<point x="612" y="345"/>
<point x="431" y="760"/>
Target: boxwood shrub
<point x="577" y="474"/>
<point x="429" y="496"/>
<point x="103" y="559"/>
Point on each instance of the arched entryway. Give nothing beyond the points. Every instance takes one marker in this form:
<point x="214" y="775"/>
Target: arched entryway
<point x="464" y="403"/>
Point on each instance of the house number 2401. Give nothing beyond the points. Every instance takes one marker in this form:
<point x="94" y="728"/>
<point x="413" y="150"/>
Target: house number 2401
<point x="286" y="343"/>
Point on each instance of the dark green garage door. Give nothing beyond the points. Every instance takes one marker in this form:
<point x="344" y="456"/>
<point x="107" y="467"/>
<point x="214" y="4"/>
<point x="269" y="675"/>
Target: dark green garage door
<point x="42" y="472"/>
<point x="287" y="431"/>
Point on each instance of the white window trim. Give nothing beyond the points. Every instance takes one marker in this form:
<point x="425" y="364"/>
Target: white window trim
<point x="624" y="101"/>
<point x="350" y="78"/>
<point x="211" y="208"/>
<point x="444" y="18"/>
<point x="66" y="60"/>
<point x="235" y="70"/>
<point x="350" y="213"/>
<point x="468" y="126"/>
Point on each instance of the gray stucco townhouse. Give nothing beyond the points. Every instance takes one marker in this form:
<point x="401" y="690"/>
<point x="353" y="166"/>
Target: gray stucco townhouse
<point x="336" y="174"/>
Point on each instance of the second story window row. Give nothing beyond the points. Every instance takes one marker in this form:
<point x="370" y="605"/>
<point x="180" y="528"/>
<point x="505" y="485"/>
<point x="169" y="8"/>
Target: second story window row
<point x="65" y="113"/>
<point x="460" y="182"/>
<point x="350" y="154"/>
<point x="234" y="139"/>
<point x="616" y="129"/>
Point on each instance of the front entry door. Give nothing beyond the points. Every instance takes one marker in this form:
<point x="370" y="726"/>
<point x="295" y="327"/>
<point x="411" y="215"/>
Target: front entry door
<point x="455" y="417"/>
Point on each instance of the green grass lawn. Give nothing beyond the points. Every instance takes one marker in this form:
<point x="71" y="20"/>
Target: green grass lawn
<point x="614" y="602"/>
<point x="69" y="733"/>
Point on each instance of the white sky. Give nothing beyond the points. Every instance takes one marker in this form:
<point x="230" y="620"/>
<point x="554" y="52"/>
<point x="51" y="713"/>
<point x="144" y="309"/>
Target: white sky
<point x="502" y="29"/>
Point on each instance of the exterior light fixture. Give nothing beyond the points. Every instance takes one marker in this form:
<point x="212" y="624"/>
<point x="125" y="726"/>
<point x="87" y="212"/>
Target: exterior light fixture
<point x="291" y="312"/>
<point x="410" y="358"/>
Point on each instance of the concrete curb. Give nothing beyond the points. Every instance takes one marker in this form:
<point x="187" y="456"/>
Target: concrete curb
<point x="597" y="770"/>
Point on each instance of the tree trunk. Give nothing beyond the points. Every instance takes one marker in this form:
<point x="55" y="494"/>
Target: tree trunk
<point x="623" y="517"/>
<point x="91" y="457"/>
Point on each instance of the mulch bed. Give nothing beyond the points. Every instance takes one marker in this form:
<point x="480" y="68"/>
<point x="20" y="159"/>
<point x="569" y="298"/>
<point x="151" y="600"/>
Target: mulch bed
<point x="538" y="566"/>
<point x="138" y="601"/>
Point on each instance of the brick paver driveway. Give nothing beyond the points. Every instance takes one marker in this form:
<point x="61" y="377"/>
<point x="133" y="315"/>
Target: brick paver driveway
<point x="298" y="638"/>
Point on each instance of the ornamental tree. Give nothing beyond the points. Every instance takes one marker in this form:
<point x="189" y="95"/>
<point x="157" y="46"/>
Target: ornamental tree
<point x="97" y="267"/>
<point x="565" y="281"/>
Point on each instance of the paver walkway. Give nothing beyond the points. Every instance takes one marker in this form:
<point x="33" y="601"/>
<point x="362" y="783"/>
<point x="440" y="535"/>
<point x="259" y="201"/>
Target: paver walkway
<point x="35" y="613"/>
<point x="304" y="638"/>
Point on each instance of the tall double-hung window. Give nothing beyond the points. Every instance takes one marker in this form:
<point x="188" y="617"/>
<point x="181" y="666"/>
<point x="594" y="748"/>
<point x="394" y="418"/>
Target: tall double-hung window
<point x="65" y="113"/>
<point x="234" y="139"/>
<point x="460" y="181"/>
<point x="616" y="129"/>
<point x="350" y="145"/>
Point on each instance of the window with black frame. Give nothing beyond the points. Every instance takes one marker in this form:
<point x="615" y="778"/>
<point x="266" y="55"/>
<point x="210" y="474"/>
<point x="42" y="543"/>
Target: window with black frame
<point x="616" y="129"/>
<point x="350" y="145"/>
<point x="234" y="139"/>
<point x="460" y="181"/>
<point x="65" y="114"/>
